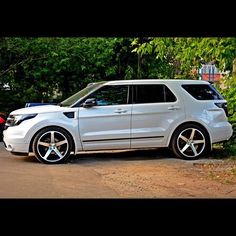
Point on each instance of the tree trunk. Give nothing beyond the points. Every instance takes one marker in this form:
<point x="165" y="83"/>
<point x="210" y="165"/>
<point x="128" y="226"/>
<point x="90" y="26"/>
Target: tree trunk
<point x="234" y="67"/>
<point x="138" y="72"/>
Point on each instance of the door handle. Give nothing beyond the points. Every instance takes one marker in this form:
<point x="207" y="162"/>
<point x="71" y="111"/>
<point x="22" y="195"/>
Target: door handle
<point x="119" y="111"/>
<point x="172" y="108"/>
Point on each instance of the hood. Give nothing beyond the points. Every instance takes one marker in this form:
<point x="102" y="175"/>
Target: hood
<point x="39" y="109"/>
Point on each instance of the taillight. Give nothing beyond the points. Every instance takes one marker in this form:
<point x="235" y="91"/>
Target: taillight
<point x="2" y="121"/>
<point x="224" y="106"/>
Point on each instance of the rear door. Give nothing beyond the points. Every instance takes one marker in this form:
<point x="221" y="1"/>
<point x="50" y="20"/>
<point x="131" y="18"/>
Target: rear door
<point x="155" y="110"/>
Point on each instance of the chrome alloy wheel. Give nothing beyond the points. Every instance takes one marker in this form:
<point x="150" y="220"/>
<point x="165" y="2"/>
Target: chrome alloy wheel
<point x="52" y="146"/>
<point x="191" y="142"/>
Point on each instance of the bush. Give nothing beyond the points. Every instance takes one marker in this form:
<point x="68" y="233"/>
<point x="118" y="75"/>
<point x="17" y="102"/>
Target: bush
<point x="229" y="94"/>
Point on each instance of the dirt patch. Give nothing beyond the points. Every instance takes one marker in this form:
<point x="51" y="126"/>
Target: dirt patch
<point x="172" y="178"/>
<point x="221" y="171"/>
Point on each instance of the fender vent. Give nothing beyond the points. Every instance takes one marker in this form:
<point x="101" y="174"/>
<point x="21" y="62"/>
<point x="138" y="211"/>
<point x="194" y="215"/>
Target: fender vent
<point x="69" y="114"/>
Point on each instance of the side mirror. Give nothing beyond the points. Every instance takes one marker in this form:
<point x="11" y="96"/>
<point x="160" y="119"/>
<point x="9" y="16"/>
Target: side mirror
<point x="90" y="102"/>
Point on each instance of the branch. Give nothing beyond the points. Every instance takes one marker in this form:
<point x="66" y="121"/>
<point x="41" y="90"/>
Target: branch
<point x="21" y="62"/>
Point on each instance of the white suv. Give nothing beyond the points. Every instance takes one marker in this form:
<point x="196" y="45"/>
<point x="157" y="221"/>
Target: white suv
<point x="186" y="115"/>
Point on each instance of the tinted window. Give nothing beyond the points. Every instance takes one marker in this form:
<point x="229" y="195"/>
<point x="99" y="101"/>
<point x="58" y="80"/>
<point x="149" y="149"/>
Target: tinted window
<point x="153" y="94"/>
<point x="168" y="95"/>
<point x="111" y="95"/>
<point x="202" y="91"/>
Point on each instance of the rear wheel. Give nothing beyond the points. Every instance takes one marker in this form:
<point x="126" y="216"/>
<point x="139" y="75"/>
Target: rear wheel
<point x="52" y="145"/>
<point x="190" y="141"/>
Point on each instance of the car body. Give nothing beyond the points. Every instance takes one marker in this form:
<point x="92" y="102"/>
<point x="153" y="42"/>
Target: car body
<point x="186" y="115"/>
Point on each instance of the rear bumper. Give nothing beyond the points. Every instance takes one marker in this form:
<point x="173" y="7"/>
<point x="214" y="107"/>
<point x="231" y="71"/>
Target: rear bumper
<point x="221" y="132"/>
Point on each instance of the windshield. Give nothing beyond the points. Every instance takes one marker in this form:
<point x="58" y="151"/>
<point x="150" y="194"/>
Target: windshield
<point x="76" y="97"/>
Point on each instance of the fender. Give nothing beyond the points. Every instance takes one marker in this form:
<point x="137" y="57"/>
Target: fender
<point x="70" y="127"/>
<point x="199" y="121"/>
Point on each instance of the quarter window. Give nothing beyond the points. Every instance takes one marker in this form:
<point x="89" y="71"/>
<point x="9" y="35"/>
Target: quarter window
<point x="202" y="91"/>
<point x="153" y="94"/>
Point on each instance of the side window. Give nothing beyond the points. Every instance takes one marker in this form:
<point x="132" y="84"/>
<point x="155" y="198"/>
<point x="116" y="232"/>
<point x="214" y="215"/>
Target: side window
<point x="153" y="93"/>
<point x="111" y="95"/>
<point x="202" y="91"/>
<point x="168" y="95"/>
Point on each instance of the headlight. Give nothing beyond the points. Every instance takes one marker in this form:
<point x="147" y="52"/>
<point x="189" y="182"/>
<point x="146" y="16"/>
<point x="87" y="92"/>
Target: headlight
<point x="14" y="120"/>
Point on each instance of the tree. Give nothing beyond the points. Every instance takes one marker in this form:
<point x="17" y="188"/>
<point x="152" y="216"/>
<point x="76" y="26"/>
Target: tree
<point x="187" y="54"/>
<point x="38" y="68"/>
<point x="43" y="69"/>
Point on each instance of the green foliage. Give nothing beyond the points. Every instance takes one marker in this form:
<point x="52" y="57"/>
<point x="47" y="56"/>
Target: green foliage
<point x="230" y="95"/>
<point x="156" y="57"/>
<point x="51" y="69"/>
<point x="187" y="54"/>
<point x="42" y="69"/>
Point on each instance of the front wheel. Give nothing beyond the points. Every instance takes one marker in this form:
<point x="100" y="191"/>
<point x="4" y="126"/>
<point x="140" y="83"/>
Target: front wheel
<point x="52" y="145"/>
<point x="190" y="141"/>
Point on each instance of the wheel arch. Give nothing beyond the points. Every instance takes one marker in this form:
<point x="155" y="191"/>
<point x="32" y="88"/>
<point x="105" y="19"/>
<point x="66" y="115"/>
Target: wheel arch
<point x="52" y="126"/>
<point x="190" y="122"/>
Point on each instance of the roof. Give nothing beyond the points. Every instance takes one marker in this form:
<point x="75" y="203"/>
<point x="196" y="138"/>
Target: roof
<point x="153" y="81"/>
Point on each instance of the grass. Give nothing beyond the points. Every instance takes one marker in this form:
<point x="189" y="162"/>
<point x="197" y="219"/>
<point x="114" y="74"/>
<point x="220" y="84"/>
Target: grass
<point x="219" y="152"/>
<point x="233" y="171"/>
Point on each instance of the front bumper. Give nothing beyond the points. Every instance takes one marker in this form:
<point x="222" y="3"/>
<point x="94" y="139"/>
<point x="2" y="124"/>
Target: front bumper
<point x="14" y="143"/>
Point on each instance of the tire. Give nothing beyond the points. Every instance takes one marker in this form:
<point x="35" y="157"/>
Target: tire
<point x="52" y="145"/>
<point x="190" y="142"/>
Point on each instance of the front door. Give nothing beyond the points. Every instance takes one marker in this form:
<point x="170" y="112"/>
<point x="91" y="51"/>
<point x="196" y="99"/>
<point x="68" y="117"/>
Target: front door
<point x="107" y="124"/>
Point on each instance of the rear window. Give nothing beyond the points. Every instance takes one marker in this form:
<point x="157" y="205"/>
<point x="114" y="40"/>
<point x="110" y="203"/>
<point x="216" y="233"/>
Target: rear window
<point x="202" y="91"/>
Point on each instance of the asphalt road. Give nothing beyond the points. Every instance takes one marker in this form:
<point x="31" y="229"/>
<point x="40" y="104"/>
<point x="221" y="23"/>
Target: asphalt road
<point x="130" y="174"/>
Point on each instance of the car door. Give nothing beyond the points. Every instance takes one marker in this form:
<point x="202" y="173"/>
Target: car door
<point x="155" y="111"/>
<point x="107" y="124"/>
